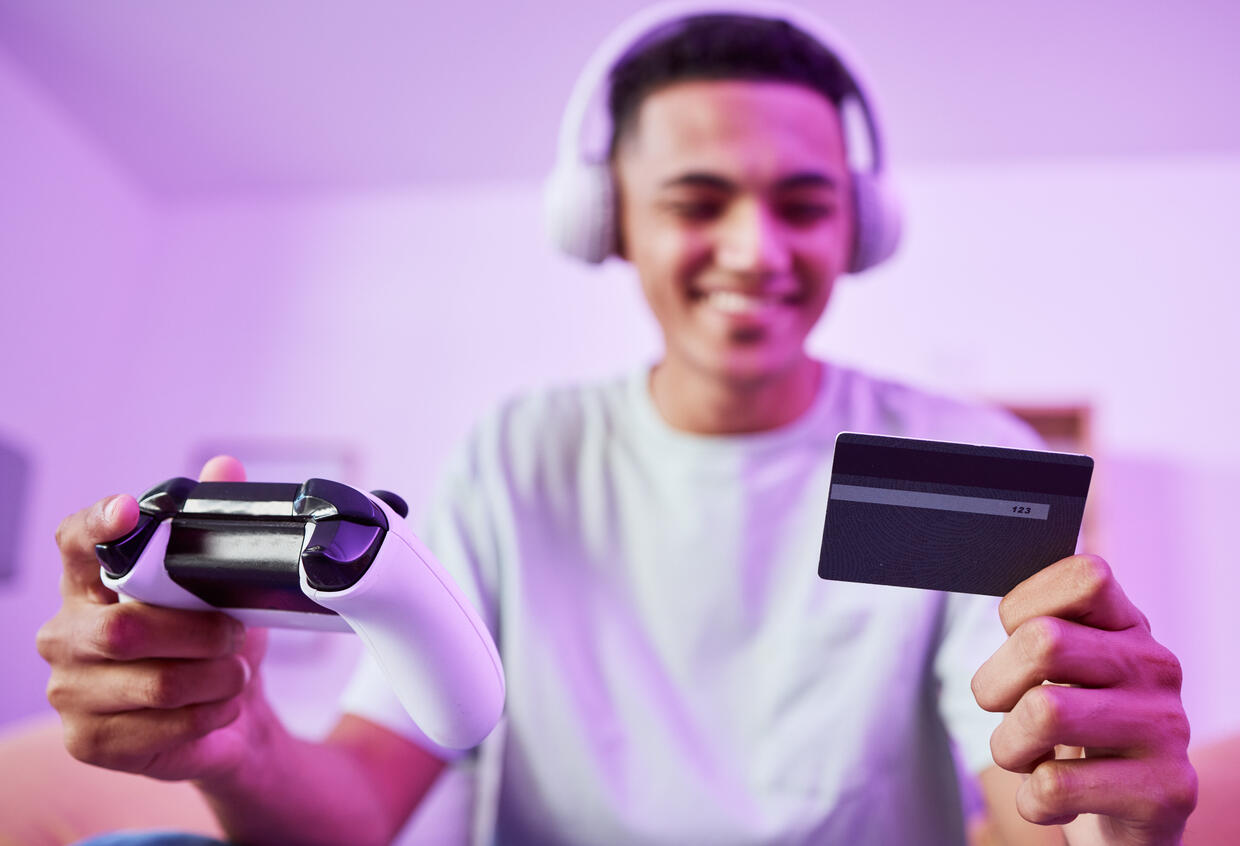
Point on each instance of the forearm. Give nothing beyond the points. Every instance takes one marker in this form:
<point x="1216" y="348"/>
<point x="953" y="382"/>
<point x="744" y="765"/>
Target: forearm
<point x="355" y="787"/>
<point x="302" y="793"/>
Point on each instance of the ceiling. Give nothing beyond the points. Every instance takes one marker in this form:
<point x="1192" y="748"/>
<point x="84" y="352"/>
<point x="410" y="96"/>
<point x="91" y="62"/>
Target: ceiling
<point x="203" y="98"/>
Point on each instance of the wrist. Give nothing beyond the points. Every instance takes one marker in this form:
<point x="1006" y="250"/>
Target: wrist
<point x="263" y="745"/>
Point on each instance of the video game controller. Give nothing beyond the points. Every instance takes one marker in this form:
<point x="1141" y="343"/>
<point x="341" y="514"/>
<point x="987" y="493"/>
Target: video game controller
<point x="321" y="555"/>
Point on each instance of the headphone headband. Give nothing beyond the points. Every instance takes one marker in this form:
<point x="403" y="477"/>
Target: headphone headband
<point x="580" y="194"/>
<point x="585" y="130"/>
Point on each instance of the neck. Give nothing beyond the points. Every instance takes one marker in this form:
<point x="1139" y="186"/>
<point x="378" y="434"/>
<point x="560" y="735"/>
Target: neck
<point x="706" y="404"/>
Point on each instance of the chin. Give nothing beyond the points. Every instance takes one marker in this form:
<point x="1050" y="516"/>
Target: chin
<point x="751" y="368"/>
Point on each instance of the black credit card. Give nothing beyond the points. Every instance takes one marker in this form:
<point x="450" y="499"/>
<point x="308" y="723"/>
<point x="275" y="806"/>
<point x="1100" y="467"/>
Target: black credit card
<point x="949" y="516"/>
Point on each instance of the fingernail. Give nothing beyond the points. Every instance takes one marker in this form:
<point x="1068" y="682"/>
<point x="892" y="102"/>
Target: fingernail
<point x="246" y="670"/>
<point x="111" y="508"/>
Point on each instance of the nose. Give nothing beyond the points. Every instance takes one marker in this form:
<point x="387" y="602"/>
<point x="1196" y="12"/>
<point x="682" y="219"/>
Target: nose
<point x="752" y="241"/>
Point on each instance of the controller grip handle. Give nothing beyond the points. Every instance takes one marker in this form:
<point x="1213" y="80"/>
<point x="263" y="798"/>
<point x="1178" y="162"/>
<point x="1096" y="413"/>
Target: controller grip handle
<point x="430" y="643"/>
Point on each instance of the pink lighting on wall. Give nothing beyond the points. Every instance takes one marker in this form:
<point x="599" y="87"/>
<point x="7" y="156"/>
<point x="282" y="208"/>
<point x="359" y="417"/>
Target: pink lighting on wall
<point x="323" y="225"/>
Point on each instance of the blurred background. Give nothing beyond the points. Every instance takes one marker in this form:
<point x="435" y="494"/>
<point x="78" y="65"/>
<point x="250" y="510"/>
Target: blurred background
<point x="308" y="234"/>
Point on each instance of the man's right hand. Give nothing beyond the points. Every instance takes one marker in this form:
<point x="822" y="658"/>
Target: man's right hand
<point x="164" y="692"/>
<point x="176" y="694"/>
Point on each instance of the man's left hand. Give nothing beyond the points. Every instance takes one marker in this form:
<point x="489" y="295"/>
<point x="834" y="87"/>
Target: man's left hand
<point x="1108" y="736"/>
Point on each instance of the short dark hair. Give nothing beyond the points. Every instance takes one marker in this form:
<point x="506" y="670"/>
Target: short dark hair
<point x="722" y="46"/>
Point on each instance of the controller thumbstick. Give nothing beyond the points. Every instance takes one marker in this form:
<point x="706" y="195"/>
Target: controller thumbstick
<point x="394" y="502"/>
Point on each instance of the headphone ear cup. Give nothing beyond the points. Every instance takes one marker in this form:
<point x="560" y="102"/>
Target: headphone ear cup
<point x="579" y="210"/>
<point x="877" y="220"/>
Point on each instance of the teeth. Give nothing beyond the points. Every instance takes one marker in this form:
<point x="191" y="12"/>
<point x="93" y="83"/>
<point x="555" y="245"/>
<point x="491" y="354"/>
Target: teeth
<point x="734" y="302"/>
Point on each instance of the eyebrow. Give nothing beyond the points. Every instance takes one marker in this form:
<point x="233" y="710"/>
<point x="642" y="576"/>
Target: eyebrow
<point x="703" y="179"/>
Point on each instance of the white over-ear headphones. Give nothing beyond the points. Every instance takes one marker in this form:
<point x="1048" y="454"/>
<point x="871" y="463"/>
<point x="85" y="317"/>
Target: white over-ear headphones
<point x="579" y="196"/>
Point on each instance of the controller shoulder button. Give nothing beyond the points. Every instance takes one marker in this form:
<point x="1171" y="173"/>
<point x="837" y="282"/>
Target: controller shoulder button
<point x="118" y="557"/>
<point x="321" y="499"/>
<point x="167" y="498"/>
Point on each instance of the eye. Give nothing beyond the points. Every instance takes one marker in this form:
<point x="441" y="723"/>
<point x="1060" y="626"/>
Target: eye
<point x="806" y="213"/>
<point x="696" y="210"/>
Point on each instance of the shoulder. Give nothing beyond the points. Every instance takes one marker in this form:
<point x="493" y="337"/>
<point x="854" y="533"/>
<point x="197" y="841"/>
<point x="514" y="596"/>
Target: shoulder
<point x="556" y="417"/>
<point x="893" y="407"/>
<point x="544" y="431"/>
<point x="524" y="455"/>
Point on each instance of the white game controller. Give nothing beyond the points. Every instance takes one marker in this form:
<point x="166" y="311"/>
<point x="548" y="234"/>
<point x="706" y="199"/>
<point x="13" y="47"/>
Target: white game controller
<point x="321" y="555"/>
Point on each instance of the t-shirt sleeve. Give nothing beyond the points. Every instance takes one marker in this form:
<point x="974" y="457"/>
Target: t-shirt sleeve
<point x="456" y="530"/>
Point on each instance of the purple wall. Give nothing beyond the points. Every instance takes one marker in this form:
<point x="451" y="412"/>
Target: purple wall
<point x="162" y="292"/>
<point x="216" y="97"/>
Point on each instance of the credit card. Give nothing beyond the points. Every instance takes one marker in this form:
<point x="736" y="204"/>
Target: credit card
<point x="949" y="516"/>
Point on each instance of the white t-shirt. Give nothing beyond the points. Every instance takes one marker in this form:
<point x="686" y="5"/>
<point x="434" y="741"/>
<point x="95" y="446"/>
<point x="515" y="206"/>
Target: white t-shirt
<point x="677" y="672"/>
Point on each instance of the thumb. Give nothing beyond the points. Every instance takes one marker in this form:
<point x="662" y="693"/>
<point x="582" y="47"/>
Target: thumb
<point x="106" y="520"/>
<point x="222" y="468"/>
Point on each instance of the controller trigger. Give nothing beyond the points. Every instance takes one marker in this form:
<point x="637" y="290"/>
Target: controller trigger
<point x="393" y="501"/>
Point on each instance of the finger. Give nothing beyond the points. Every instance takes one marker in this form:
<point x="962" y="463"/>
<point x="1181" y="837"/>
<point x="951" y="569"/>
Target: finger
<point x="132" y="631"/>
<point x="1104" y="722"/>
<point x="1080" y="588"/>
<point x="254" y="647"/>
<point x="76" y="536"/>
<point x="1140" y="795"/>
<point x="155" y="683"/>
<point x="1049" y="649"/>
<point x="222" y="468"/>
<point x="130" y="740"/>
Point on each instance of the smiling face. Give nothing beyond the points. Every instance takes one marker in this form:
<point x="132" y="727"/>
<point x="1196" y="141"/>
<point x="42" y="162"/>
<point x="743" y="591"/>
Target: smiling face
<point x="736" y="210"/>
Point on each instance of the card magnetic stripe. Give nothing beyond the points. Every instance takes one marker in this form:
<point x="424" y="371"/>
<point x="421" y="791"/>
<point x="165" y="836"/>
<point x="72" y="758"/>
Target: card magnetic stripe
<point x="960" y="464"/>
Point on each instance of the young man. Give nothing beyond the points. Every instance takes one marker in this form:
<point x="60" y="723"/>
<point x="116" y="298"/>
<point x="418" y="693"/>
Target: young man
<point x="644" y="553"/>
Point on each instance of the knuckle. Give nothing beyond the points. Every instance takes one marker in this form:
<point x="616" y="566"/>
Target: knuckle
<point x="46" y="640"/>
<point x="86" y="742"/>
<point x="1041" y="641"/>
<point x="63" y="532"/>
<point x="999" y="755"/>
<point x="59" y="691"/>
<point x="117" y="632"/>
<point x="1092" y="575"/>
<point x="1167" y="670"/>
<point x="1048" y="790"/>
<point x="1178" y="729"/>
<point x="1181" y="794"/>
<point x="163" y="688"/>
<point x="1042" y="712"/>
<point x="985" y="695"/>
<point x="1005" y="612"/>
<point x="980" y="693"/>
<point x="999" y="747"/>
